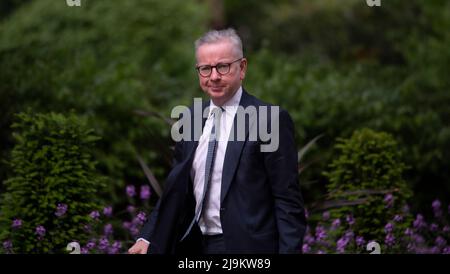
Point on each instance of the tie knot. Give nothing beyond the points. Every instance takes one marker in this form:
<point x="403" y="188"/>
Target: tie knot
<point x="216" y="111"/>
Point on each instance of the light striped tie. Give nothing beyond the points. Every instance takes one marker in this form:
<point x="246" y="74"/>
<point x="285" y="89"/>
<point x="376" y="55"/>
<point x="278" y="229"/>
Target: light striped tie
<point x="210" y="156"/>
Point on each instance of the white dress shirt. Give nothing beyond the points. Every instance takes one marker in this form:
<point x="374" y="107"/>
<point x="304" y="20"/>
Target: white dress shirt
<point x="210" y="219"/>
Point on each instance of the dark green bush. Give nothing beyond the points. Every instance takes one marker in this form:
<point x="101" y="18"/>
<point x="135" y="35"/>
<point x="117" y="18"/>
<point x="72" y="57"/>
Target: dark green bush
<point x="334" y="100"/>
<point x="52" y="165"/>
<point x="338" y="66"/>
<point x="104" y="60"/>
<point x="366" y="183"/>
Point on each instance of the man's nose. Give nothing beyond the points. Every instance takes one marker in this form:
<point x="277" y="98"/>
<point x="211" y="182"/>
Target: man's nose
<point x="214" y="74"/>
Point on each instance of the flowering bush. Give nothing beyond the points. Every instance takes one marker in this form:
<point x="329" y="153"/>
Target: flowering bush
<point x="366" y="185"/>
<point x="104" y="232"/>
<point x="337" y="236"/>
<point x="113" y="232"/>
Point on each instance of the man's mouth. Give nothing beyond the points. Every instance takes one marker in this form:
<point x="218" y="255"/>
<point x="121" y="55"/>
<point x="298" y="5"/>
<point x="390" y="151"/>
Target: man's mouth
<point x="216" y="89"/>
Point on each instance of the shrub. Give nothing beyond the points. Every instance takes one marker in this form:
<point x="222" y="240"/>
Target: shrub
<point x="366" y="187"/>
<point x="54" y="185"/>
<point x="105" y="61"/>
<point x="358" y="67"/>
<point x="418" y="236"/>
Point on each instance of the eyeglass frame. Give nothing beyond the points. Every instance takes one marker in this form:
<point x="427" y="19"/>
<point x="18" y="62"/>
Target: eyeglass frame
<point x="211" y="67"/>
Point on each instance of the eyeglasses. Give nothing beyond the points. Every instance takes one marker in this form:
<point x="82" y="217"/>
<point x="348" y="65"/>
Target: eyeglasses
<point x="221" y="68"/>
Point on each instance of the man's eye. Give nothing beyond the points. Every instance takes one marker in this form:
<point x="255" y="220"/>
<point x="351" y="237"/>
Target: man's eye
<point x="222" y="66"/>
<point x="205" y="69"/>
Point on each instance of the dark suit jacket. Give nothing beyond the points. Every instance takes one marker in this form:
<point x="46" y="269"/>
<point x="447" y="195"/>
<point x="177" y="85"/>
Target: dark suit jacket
<point x="261" y="204"/>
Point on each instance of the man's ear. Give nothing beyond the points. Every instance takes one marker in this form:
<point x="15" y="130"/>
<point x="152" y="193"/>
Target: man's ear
<point x="243" y="67"/>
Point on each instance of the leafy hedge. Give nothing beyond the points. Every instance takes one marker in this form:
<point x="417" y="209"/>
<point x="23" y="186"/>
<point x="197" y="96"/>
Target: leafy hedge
<point x="55" y="185"/>
<point x="368" y="174"/>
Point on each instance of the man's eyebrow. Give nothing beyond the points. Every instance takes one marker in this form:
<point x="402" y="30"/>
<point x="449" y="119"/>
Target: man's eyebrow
<point x="219" y="62"/>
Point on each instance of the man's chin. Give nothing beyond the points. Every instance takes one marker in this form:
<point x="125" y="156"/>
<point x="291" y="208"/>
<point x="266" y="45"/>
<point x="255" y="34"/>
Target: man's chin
<point x="216" y="94"/>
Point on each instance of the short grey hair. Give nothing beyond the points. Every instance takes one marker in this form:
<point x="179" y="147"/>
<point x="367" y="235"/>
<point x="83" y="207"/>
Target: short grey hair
<point x="215" y="36"/>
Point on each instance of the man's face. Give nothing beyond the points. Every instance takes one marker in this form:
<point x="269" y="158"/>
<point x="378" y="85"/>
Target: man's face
<point x="220" y="88"/>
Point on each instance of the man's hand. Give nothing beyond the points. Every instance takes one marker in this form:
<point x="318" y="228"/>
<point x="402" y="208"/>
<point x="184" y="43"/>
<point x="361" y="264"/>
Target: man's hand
<point x="139" y="248"/>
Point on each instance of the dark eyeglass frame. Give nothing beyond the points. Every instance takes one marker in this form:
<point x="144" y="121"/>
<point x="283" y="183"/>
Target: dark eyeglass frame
<point x="227" y="66"/>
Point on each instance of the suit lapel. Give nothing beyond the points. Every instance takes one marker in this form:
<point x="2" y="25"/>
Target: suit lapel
<point x="233" y="152"/>
<point x="191" y="146"/>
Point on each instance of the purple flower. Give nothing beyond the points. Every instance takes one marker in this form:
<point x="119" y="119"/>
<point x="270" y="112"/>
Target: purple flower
<point x="126" y="225"/>
<point x="7" y="245"/>
<point x="446" y="250"/>
<point x="349" y="235"/>
<point x="141" y="217"/>
<point x="320" y="252"/>
<point x="94" y="214"/>
<point x="446" y="229"/>
<point x="103" y="244"/>
<point x="419" y="222"/>
<point x="16" y="224"/>
<point x="90" y="244"/>
<point x="309" y="239"/>
<point x="306" y="248"/>
<point x="389" y="240"/>
<point x="441" y="242"/>
<point x="108" y="229"/>
<point x="434" y="227"/>
<point x="321" y="234"/>
<point x="350" y="219"/>
<point x="145" y="192"/>
<point x="61" y="209"/>
<point x="131" y="209"/>
<point x="107" y="211"/>
<point x="341" y="244"/>
<point x="436" y="205"/>
<point x="326" y="215"/>
<point x="40" y="231"/>
<point x="408" y="232"/>
<point x="389" y="228"/>
<point x="360" y="241"/>
<point x="134" y="231"/>
<point x="131" y="191"/>
<point x="84" y="250"/>
<point x="389" y="200"/>
<point x="398" y="218"/>
<point x="418" y="239"/>
<point x="115" y="247"/>
<point x="434" y="250"/>
<point x="336" y="223"/>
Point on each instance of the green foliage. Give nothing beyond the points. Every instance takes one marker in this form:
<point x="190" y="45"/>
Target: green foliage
<point x="52" y="165"/>
<point x="8" y="6"/>
<point x="333" y="98"/>
<point x="105" y="61"/>
<point x="339" y="65"/>
<point x="365" y="182"/>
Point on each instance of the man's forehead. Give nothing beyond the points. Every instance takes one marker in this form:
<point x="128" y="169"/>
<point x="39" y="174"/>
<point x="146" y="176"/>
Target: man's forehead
<point x="222" y="45"/>
<point x="216" y="51"/>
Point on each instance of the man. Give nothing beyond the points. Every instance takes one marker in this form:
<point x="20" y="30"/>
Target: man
<point x="227" y="195"/>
